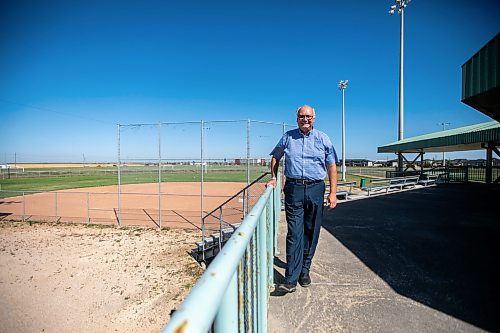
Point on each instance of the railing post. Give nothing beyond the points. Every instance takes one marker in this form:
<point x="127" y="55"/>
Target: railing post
<point x="262" y="272"/>
<point x="220" y="229"/>
<point x="243" y="201"/>
<point x="269" y="241"/>
<point x="241" y="294"/>
<point x="253" y="246"/>
<point x="248" y="290"/>
<point x="277" y="212"/>
<point x="226" y="319"/>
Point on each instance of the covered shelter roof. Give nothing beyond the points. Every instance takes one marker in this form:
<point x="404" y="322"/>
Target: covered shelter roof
<point x="481" y="79"/>
<point x="471" y="137"/>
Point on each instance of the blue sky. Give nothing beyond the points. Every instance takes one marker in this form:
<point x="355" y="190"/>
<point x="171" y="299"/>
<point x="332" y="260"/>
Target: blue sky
<point x="72" y="70"/>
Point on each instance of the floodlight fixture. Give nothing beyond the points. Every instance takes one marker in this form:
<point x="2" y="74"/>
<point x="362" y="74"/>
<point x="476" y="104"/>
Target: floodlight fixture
<point x="343" y="84"/>
<point x="400" y="5"/>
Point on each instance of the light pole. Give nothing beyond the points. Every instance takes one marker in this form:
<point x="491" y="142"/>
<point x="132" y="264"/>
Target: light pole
<point x="400" y="5"/>
<point x="342" y="87"/>
<point x="444" y="127"/>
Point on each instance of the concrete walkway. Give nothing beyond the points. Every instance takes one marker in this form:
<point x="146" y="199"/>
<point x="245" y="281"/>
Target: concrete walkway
<point x="418" y="261"/>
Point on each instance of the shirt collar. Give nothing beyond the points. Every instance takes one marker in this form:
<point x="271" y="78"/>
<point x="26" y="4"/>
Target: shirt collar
<point x="306" y="135"/>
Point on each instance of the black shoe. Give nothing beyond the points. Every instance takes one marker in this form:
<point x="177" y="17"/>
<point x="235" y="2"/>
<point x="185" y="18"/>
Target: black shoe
<point x="289" y="288"/>
<point x="305" y="280"/>
<point x="283" y="289"/>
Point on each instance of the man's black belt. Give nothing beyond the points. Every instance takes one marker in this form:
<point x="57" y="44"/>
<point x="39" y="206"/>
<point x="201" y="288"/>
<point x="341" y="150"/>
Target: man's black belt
<point x="303" y="181"/>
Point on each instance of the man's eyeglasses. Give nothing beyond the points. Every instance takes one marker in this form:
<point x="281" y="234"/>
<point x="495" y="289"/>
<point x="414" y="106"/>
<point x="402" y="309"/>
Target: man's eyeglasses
<point x="305" y="116"/>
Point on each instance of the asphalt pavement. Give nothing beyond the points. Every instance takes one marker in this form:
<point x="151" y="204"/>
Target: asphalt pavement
<point x="425" y="260"/>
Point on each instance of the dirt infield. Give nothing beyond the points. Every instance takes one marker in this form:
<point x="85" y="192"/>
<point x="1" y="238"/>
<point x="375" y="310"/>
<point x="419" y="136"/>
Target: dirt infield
<point x="180" y="204"/>
<point x="78" y="278"/>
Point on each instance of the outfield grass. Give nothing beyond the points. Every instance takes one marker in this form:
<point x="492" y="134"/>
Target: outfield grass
<point x="79" y="181"/>
<point x="68" y="178"/>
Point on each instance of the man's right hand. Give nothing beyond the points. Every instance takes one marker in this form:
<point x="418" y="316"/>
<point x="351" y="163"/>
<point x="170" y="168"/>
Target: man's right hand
<point x="271" y="182"/>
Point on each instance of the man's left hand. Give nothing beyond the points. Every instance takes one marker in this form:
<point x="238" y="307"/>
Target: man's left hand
<point x="331" y="200"/>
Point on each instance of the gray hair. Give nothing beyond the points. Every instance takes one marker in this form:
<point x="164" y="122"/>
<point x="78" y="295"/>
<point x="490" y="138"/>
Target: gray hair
<point x="300" y="107"/>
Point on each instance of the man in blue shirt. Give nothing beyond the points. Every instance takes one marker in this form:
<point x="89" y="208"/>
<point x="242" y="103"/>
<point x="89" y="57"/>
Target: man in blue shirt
<point x="309" y="157"/>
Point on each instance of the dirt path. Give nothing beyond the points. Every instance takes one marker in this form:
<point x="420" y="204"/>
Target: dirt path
<point x="77" y="278"/>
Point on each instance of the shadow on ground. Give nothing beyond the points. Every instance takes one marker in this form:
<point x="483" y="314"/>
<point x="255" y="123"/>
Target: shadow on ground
<point x="438" y="246"/>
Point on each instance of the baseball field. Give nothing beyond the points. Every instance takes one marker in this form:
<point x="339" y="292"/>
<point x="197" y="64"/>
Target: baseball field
<point x="98" y="275"/>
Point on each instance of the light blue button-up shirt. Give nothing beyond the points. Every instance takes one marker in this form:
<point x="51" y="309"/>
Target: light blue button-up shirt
<point x="306" y="156"/>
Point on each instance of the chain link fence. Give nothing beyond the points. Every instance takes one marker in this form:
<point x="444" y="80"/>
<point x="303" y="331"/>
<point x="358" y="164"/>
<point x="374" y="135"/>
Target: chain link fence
<point x="179" y="171"/>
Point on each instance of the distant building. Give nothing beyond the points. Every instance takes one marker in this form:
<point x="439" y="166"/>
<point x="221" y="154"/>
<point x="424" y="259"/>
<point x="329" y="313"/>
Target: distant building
<point x="385" y="163"/>
<point x="357" y="162"/>
<point x="253" y="161"/>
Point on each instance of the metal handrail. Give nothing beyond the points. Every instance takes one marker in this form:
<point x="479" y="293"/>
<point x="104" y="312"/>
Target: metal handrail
<point x="237" y="194"/>
<point x="244" y="268"/>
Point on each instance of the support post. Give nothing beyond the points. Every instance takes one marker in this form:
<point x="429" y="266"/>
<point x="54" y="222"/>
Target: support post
<point x="202" y="125"/>
<point x="220" y="229"/>
<point x="226" y="319"/>
<point x="119" y="181"/>
<point x="248" y="163"/>
<point x="489" y="163"/>
<point x="421" y="164"/>
<point x="88" y="208"/>
<point x="24" y="207"/>
<point x="159" y="175"/>
<point x="254" y="311"/>
<point x="262" y="272"/>
<point x="269" y="242"/>
<point x="55" y="204"/>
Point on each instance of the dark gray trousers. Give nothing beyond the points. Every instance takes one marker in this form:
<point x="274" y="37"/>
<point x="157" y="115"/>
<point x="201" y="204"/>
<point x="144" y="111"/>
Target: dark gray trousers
<point x="304" y="213"/>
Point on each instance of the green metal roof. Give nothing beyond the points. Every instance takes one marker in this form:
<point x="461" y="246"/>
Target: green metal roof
<point x="481" y="79"/>
<point x="471" y="137"/>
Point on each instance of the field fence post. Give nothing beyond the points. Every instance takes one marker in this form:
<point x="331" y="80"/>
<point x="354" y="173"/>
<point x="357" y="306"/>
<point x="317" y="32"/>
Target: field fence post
<point x="119" y="180"/>
<point x="88" y="208"/>
<point x="55" y="204"/>
<point x="159" y="175"/>
<point x="248" y="160"/>
<point x="202" y="125"/>
<point x="24" y="207"/>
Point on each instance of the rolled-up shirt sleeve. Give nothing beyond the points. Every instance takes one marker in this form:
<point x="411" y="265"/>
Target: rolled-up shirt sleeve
<point x="330" y="153"/>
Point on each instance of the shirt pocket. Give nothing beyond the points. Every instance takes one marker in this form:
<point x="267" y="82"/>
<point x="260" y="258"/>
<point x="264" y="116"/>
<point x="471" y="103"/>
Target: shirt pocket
<point x="319" y="147"/>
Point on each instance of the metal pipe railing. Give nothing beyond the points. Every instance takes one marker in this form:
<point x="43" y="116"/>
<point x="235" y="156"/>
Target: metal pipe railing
<point x="220" y="297"/>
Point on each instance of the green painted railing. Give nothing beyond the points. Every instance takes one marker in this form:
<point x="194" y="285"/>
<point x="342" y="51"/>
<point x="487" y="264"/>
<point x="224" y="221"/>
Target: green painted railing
<point x="232" y="295"/>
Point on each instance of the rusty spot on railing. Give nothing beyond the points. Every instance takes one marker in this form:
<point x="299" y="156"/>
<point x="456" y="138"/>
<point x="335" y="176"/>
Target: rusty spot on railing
<point x="182" y="327"/>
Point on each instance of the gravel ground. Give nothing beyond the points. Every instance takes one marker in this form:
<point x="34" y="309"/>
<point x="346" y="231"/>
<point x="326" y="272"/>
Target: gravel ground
<point x="77" y="278"/>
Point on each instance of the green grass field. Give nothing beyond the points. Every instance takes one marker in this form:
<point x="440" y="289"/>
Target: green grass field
<point x="11" y="187"/>
<point x="78" y="181"/>
<point x="51" y="179"/>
